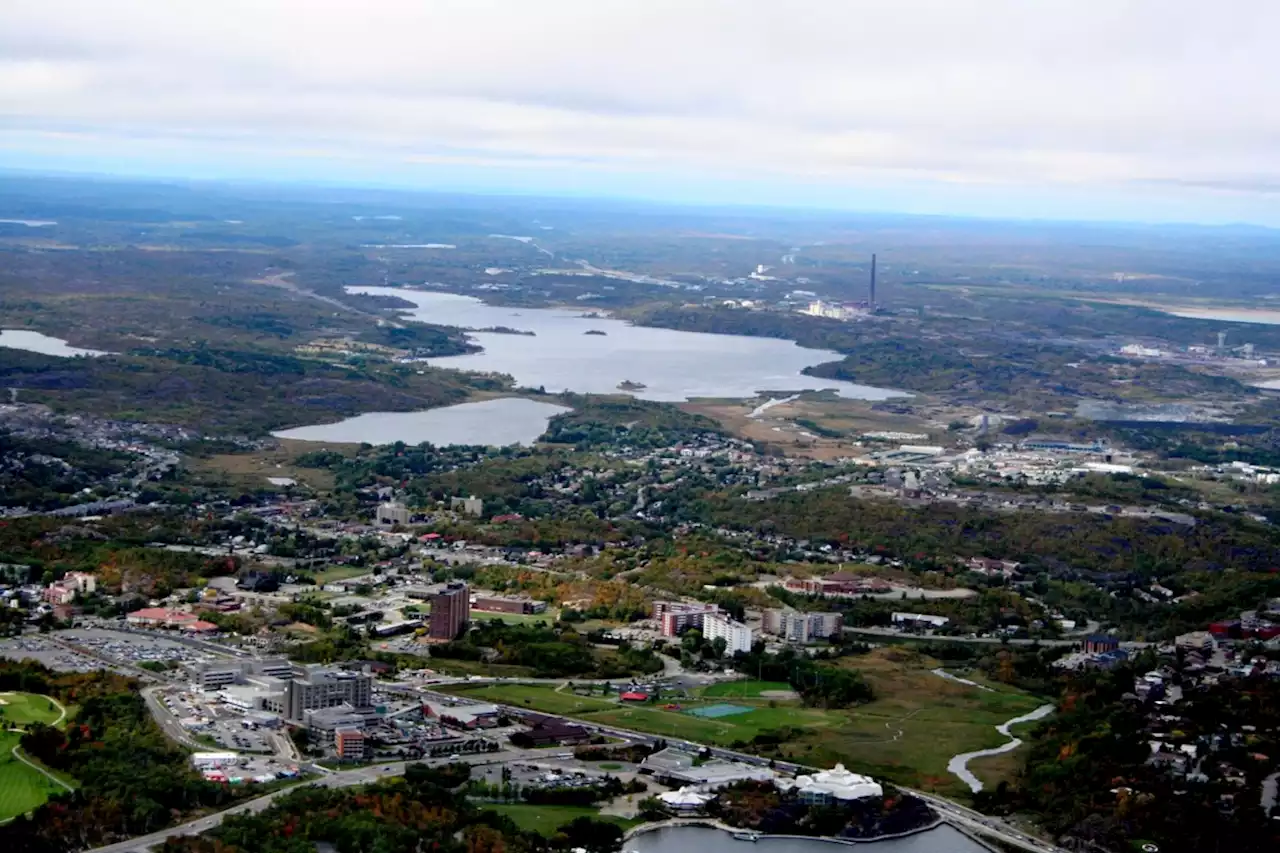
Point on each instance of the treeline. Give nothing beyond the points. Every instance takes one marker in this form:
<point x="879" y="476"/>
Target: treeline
<point x="550" y="652"/>
<point x="1088" y="773"/>
<point x="427" y="810"/>
<point x="604" y="422"/>
<point x="132" y="779"/>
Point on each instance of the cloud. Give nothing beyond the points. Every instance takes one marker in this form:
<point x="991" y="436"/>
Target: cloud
<point x="1144" y="93"/>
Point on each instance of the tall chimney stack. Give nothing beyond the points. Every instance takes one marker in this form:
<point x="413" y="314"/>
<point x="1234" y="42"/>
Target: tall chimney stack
<point x="871" y="302"/>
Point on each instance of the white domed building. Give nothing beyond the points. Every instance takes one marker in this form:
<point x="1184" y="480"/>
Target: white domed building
<point x="836" y="785"/>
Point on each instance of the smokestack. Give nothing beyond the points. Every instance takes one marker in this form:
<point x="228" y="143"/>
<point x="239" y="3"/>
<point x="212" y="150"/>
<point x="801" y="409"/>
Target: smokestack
<point x="871" y="302"/>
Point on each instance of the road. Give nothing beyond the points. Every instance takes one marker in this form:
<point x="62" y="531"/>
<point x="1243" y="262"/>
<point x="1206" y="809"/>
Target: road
<point x="990" y="641"/>
<point x="337" y="779"/>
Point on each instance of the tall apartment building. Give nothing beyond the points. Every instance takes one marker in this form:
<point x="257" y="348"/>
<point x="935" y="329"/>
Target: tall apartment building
<point x="450" y="611"/>
<point x="797" y="627"/>
<point x="675" y="616"/>
<point x="321" y="687"/>
<point x="737" y="637"/>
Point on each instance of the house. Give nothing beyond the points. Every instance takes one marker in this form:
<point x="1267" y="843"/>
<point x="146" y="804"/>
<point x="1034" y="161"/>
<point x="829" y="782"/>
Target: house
<point x="919" y="620"/>
<point x="634" y="696"/>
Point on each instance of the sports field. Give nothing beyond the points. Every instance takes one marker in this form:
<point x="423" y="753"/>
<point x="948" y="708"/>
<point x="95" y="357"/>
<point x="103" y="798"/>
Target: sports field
<point x="22" y="788"/>
<point x="19" y="709"/>
<point x="906" y="735"/>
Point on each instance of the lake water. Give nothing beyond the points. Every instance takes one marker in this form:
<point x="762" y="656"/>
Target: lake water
<point x="1229" y="315"/>
<point x="674" y="366"/>
<point x="35" y="342"/>
<point x="507" y="420"/>
<point x="30" y="223"/>
<point x="692" y="839"/>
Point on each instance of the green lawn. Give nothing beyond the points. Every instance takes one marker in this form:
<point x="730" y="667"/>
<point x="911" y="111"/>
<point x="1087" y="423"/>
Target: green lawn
<point x="330" y="574"/>
<point x="22" y="788"/>
<point x="19" y="709"/>
<point x="906" y="735"/>
<point x="549" y="617"/>
<point x="547" y="819"/>
<point x="744" y="689"/>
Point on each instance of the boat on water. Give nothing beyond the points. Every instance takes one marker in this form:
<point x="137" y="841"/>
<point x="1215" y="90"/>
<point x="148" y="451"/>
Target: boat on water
<point x="747" y="835"/>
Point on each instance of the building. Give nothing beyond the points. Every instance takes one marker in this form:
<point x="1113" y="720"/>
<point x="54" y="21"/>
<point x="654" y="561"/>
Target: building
<point x="474" y="716"/>
<point x="350" y="744"/>
<point x="838" y="584"/>
<point x="391" y="513"/>
<point x="160" y="617"/>
<point x="218" y="674"/>
<point x="737" y="637"/>
<point x="1199" y="641"/>
<point x="469" y="506"/>
<point x="685" y="800"/>
<point x="58" y="593"/>
<point x="503" y="604"/>
<point x="320" y="687"/>
<point x="549" y="731"/>
<point x="798" y="627"/>
<point x="836" y="785"/>
<point x="1096" y="644"/>
<point x="673" y="617"/>
<point x="674" y="767"/>
<point x="919" y="620"/>
<point x="209" y="760"/>
<point x="450" y="611"/>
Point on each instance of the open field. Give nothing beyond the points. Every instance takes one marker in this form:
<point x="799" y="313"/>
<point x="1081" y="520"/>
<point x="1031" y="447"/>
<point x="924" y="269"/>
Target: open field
<point x="547" y="819"/>
<point x="330" y="574"/>
<point x="19" y="709"/>
<point x="745" y="689"/>
<point x="549" y="617"/>
<point x="22" y="787"/>
<point x="906" y="735"/>
<point x="251" y="470"/>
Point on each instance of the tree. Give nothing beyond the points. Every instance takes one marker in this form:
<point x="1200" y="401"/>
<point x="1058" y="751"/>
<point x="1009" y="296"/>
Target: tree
<point x="594" y="836"/>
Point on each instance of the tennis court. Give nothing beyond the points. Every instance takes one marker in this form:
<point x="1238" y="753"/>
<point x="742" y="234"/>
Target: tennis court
<point x="721" y="709"/>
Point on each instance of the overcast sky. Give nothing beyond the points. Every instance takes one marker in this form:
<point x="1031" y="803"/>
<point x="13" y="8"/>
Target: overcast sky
<point x="1152" y="109"/>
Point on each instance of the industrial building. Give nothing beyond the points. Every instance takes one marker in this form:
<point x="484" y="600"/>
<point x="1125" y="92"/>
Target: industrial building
<point x="475" y="716"/>
<point x="674" y="617"/>
<point x="799" y="627"/>
<point x="919" y="620"/>
<point x="737" y="637"/>
<point x="504" y="604"/>
<point x="450" y="611"/>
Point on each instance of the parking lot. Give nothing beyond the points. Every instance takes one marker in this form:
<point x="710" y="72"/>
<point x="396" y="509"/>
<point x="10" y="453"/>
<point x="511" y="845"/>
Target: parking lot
<point x="48" y="653"/>
<point x="136" y="648"/>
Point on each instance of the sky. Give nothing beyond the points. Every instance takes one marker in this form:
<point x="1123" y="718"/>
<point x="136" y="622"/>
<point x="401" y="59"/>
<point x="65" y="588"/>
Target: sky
<point x="1150" y="110"/>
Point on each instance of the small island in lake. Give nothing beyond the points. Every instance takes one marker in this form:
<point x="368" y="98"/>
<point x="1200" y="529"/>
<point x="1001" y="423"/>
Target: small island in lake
<point x="594" y="332"/>
<point x="628" y="385"/>
<point x="505" y="330"/>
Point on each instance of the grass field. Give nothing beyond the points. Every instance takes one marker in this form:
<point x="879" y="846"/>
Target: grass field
<point x="330" y="574"/>
<point x="547" y="819"/>
<point x="745" y="689"/>
<point x="907" y="735"/>
<point x="22" y="788"/>
<point x="549" y="617"/>
<point x="18" y="709"/>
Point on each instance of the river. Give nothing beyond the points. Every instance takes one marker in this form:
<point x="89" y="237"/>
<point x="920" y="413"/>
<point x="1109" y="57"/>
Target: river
<point x="959" y="764"/>
<point x="500" y="422"/>
<point x="673" y="366"/>
<point x="693" y="839"/>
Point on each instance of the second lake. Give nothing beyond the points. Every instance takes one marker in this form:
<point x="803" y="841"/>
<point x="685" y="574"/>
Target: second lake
<point x="673" y="366"/>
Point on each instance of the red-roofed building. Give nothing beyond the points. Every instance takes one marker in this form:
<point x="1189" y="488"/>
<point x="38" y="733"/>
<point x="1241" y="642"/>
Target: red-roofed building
<point x="199" y="627"/>
<point x="633" y="696"/>
<point x="161" y="617"/>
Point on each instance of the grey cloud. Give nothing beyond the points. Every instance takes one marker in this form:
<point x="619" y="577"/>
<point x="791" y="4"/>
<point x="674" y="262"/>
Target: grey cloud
<point x="1163" y="92"/>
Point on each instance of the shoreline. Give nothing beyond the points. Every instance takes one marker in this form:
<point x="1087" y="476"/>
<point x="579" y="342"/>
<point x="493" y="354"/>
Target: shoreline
<point x="712" y="823"/>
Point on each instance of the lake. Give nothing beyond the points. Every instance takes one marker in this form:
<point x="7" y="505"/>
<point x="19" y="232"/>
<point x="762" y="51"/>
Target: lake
<point x="673" y="366"/>
<point x="692" y="839"/>
<point x="35" y="342"/>
<point x="1262" y="316"/>
<point x="500" y="422"/>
